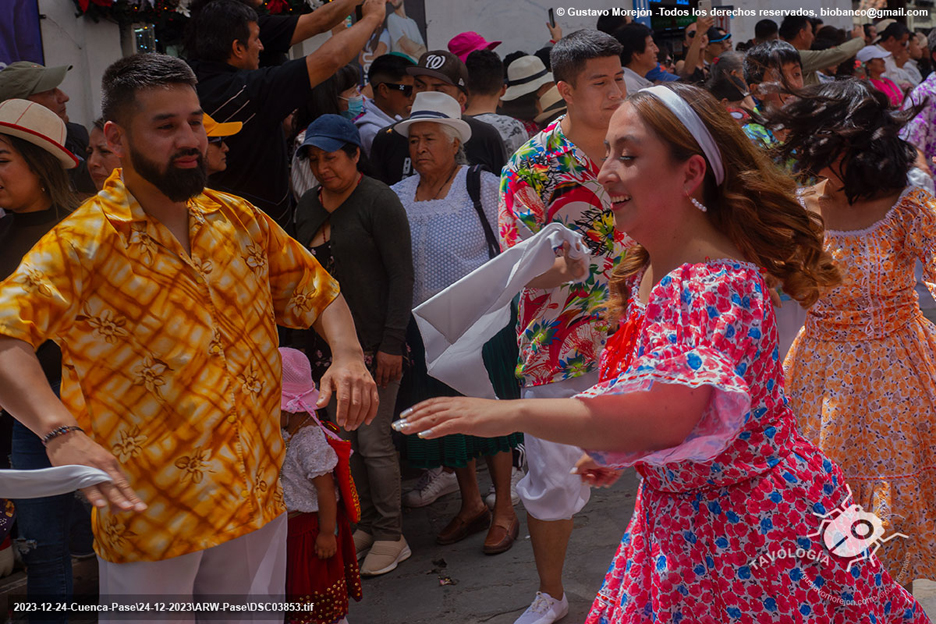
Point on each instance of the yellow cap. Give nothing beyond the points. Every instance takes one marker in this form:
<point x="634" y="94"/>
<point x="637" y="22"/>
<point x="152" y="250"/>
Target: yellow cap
<point x="215" y="129"/>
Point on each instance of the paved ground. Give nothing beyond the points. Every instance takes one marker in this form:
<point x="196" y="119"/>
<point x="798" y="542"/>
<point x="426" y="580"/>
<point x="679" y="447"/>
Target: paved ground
<point x="491" y="589"/>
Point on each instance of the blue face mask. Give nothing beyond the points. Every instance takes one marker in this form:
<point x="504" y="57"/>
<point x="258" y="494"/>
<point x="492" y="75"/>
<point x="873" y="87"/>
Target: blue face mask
<point x="355" y="108"/>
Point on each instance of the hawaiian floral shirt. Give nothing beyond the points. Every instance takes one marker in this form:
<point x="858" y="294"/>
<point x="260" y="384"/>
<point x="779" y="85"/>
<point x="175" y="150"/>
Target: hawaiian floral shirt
<point x="921" y="131"/>
<point x="550" y="180"/>
<point x="170" y="358"/>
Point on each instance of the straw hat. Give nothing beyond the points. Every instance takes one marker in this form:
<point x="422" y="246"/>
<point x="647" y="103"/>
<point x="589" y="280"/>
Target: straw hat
<point x="439" y="108"/>
<point x="551" y="103"/>
<point x="525" y="75"/>
<point x="37" y="124"/>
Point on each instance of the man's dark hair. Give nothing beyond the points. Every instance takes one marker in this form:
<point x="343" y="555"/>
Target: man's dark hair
<point x="867" y="29"/>
<point x="215" y="27"/>
<point x="388" y="68"/>
<point x="609" y="23"/>
<point x="569" y="55"/>
<point x="765" y="29"/>
<point x="894" y="31"/>
<point x="792" y="25"/>
<point x="510" y="58"/>
<point x="485" y="72"/>
<point x="633" y="40"/>
<point x="768" y="55"/>
<point x="124" y="78"/>
<point x="543" y="55"/>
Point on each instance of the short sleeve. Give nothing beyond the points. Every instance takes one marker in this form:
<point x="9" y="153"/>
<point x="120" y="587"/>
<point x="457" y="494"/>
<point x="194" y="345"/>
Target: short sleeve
<point x="278" y="91"/>
<point x="921" y="234"/>
<point x="521" y="209"/>
<point x="41" y="299"/>
<point x="300" y="287"/>
<point x="315" y="455"/>
<point x="699" y="331"/>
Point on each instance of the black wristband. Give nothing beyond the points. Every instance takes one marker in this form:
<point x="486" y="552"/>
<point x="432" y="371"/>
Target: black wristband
<point x="59" y="431"/>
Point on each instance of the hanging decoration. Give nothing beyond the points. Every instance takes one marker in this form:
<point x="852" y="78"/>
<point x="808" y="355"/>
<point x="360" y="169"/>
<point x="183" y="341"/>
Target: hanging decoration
<point x="161" y="11"/>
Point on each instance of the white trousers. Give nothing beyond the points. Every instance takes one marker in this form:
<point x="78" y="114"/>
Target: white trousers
<point x="250" y="568"/>
<point x="549" y="491"/>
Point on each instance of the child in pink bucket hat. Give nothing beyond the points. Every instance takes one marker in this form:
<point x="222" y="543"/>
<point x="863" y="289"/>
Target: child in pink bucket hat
<point x="321" y="560"/>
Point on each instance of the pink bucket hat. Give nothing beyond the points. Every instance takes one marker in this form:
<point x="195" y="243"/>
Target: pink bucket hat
<point x="299" y="393"/>
<point x="467" y="42"/>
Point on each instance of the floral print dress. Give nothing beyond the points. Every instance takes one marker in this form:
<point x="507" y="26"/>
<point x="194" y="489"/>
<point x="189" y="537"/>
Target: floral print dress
<point x="725" y="526"/>
<point x="861" y="378"/>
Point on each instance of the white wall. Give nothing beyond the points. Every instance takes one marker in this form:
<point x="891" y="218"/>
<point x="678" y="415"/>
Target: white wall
<point x="521" y="24"/>
<point x="88" y="46"/>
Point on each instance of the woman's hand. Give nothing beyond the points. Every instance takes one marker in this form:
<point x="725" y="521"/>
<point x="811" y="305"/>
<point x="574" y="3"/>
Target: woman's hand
<point x="326" y="545"/>
<point x="593" y="474"/>
<point x="389" y="368"/>
<point x="444" y="416"/>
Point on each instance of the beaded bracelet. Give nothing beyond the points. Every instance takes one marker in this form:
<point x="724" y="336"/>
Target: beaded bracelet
<point x="59" y="431"/>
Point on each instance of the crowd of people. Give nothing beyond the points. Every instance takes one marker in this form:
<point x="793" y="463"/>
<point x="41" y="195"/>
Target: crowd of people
<point x="209" y="298"/>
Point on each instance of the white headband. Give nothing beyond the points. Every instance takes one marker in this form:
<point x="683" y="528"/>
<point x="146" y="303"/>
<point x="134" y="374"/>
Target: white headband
<point x="694" y="125"/>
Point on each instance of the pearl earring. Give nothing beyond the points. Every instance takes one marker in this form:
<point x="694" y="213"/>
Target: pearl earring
<point x="698" y="204"/>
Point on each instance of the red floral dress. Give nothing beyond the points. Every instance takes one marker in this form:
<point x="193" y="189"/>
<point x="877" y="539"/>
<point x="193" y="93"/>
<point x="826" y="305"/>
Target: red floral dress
<point x="726" y="526"/>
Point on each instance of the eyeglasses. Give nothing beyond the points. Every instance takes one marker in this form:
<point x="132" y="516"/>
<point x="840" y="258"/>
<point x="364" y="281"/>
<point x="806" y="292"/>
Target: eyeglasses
<point x="215" y="140"/>
<point x="407" y="90"/>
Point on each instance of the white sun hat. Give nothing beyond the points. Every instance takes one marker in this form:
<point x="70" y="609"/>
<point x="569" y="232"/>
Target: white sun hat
<point x="436" y="107"/>
<point x="525" y="75"/>
<point x="38" y="125"/>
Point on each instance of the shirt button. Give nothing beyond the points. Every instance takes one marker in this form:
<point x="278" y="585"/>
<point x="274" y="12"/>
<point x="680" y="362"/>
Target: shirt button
<point x="244" y="493"/>
<point x="232" y="419"/>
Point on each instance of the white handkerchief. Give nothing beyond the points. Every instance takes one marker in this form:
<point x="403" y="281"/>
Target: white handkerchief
<point x="49" y="481"/>
<point x="457" y="322"/>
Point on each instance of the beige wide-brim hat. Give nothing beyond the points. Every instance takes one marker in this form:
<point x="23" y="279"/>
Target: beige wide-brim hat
<point x="551" y="103"/>
<point x="38" y="125"/>
<point x="525" y="75"/>
<point x="436" y="107"/>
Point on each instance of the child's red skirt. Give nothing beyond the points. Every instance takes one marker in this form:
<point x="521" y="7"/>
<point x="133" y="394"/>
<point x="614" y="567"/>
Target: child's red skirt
<point x="324" y="583"/>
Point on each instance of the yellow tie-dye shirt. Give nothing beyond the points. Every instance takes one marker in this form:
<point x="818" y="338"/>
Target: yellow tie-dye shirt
<point x="170" y="359"/>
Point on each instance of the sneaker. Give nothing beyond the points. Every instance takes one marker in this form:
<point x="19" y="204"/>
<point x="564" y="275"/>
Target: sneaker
<point x="362" y="543"/>
<point x="384" y="556"/>
<point x="515" y="475"/>
<point x="545" y="610"/>
<point x="431" y="485"/>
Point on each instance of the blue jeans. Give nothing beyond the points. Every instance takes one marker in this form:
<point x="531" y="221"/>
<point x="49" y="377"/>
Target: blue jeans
<point x="44" y="530"/>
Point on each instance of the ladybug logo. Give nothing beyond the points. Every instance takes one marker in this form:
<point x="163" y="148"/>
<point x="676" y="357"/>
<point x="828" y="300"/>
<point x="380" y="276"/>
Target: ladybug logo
<point x="849" y="531"/>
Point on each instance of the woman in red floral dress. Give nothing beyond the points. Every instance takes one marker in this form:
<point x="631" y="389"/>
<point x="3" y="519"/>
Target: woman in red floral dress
<point x="738" y="518"/>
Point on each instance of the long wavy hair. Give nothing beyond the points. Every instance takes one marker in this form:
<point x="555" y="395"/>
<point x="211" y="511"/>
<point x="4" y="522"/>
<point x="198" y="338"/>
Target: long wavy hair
<point x="755" y="206"/>
<point x="849" y="127"/>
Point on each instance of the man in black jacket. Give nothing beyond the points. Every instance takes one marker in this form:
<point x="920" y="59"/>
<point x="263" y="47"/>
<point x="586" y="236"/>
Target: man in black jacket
<point x="233" y="87"/>
<point x="442" y="71"/>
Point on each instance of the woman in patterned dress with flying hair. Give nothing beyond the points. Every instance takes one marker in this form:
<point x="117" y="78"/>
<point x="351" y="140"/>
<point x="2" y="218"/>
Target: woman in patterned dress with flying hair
<point x="861" y="375"/>
<point x="725" y="526"/>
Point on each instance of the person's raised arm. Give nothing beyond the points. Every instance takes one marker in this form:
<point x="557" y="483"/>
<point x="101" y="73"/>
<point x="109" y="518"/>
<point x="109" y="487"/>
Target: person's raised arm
<point x="344" y="47"/>
<point x="322" y="19"/>
<point x="347" y="377"/>
<point x="694" y="54"/>
<point x="26" y="394"/>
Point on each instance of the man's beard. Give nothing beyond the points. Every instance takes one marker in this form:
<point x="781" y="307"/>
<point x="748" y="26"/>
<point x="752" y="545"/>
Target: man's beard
<point x="177" y="184"/>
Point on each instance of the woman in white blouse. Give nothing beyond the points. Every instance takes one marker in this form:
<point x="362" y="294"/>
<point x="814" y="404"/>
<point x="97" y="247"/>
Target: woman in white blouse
<point x="451" y="237"/>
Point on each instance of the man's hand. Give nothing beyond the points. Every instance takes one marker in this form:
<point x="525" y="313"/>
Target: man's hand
<point x="375" y="8"/>
<point x="77" y="448"/>
<point x="857" y="32"/>
<point x="389" y="368"/>
<point x="555" y="32"/>
<point x="356" y="392"/>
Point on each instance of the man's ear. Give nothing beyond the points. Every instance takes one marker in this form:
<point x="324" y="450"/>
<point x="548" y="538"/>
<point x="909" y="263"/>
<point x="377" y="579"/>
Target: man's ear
<point x="114" y="135"/>
<point x="462" y="99"/>
<point x="503" y="90"/>
<point x="237" y="50"/>
<point x="566" y="91"/>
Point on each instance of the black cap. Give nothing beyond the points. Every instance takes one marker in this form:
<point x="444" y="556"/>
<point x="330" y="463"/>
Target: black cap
<point x="716" y="35"/>
<point x="443" y="65"/>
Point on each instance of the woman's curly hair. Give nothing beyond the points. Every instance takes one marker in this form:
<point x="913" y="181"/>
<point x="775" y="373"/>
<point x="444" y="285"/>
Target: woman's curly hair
<point x="755" y="206"/>
<point x="849" y="127"/>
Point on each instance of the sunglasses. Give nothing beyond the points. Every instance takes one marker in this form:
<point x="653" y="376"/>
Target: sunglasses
<point x="407" y="90"/>
<point x="215" y="140"/>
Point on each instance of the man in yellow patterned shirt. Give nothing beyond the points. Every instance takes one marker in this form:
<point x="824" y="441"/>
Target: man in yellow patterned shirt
<point x="164" y="298"/>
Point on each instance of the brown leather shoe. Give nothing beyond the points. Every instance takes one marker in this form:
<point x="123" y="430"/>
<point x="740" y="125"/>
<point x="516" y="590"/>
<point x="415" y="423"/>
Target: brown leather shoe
<point x="499" y="539"/>
<point x="458" y="529"/>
